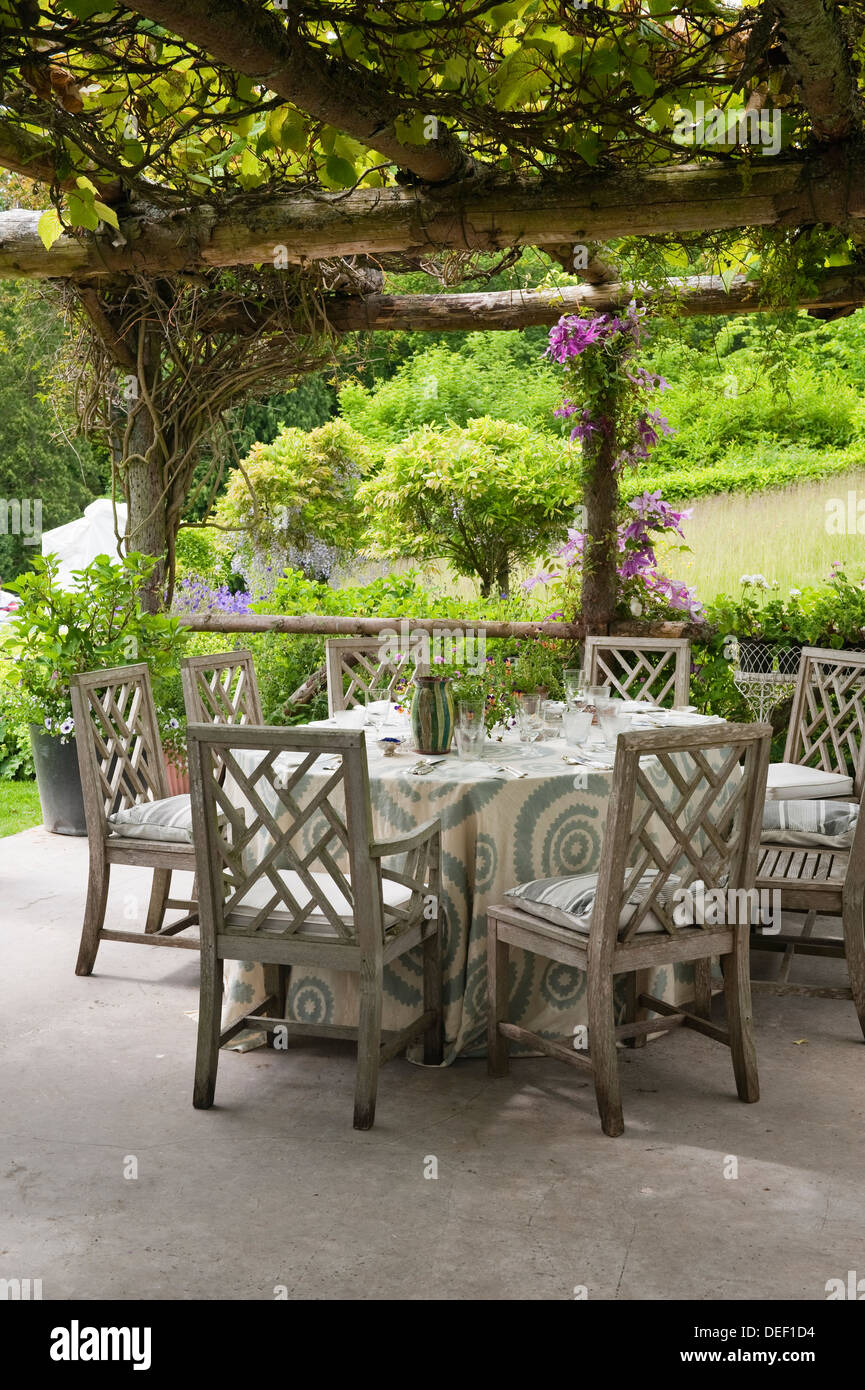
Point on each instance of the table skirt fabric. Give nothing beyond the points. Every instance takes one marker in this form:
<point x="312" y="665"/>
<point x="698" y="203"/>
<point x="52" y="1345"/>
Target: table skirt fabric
<point x="495" y="833"/>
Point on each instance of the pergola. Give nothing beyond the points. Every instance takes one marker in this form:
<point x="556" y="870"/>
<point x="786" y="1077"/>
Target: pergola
<point x="233" y="182"/>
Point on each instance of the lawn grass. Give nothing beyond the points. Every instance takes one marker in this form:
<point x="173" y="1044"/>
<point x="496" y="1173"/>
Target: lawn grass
<point x="780" y="534"/>
<point x="19" y="807"/>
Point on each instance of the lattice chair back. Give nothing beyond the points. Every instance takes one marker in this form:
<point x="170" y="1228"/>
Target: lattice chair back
<point x="287" y="854"/>
<point x="655" y="669"/>
<point x="827" y="721"/>
<point x="358" y="671"/>
<point x="685" y="810"/>
<point x="221" y="689"/>
<point x="119" y="747"/>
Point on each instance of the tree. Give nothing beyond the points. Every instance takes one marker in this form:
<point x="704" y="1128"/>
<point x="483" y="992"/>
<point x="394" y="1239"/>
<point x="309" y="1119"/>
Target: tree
<point x="292" y="503"/>
<point x="45" y="472"/>
<point x="487" y="496"/>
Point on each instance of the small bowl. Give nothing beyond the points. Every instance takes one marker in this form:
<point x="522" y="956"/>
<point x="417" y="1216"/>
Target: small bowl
<point x="389" y="746"/>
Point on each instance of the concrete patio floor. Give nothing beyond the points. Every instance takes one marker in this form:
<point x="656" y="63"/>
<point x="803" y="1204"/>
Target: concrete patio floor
<point x="274" y="1188"/>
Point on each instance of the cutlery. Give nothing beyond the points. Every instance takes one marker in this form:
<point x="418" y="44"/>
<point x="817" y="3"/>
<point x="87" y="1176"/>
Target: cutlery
<point x="425" y="765"/>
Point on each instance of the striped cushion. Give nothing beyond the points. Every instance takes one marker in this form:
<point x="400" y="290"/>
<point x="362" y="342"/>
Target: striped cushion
<point x="169" y="820"/>
<point x="568" y="901"/>
<point x="790" y="782"/>
<point x="810" y="824"/>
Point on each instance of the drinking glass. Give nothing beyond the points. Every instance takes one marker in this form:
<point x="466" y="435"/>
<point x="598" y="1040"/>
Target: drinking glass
<point x="598" y="692"/>
<point x="470" y="712"/>
<point x="529" y="717"/>
<point x="577" y="725"/>
<point x="552" y="711"/>
<point x="612" y="721"/>
<point x="470" y="739"/>
<point x="574" y="681"/>
<point x="377" y="711"/>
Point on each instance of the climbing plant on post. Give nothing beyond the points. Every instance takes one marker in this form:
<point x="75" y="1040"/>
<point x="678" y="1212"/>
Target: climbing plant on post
<point x="616" y="429"/>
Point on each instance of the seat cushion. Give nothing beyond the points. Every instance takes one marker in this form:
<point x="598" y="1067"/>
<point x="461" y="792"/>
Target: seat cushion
<point x="169" y="820"/>
<point x="790" y="782"/>
<point x="317" y="923"/>
<point x="810" y="824"/>
<point x="568" y="901"/>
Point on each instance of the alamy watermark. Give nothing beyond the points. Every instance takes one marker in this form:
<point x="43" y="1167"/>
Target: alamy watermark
<point x="719" y="907"/>
<point x="733" y="126"/>
<point x="21" y="516"/>
<point x="461" y="647"/>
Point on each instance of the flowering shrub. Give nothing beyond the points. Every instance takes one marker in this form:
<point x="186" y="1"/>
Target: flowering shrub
<point x="293" y="505"/>
<point x="597" y="354"/>
<point x="643" y="590"/>
<point x="56" y="634"/>
<point x="195" y="595"/>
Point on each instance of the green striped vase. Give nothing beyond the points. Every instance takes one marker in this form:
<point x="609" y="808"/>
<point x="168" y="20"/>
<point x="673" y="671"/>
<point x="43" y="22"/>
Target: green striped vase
<point x="432" y="714"/>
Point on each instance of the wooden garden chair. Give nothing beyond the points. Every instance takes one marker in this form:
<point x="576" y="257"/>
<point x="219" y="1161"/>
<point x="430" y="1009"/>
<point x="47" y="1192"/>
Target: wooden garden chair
<point x="357" y="672"/>
<point x="654" y="669"/>
<point x="131" y="818"/>
<point x="824" y="882"/>
<point x="824" y="755"/>
<point x="625" y="917"/>
<point x="290" y="874"/>
<point x="221" y="689"/>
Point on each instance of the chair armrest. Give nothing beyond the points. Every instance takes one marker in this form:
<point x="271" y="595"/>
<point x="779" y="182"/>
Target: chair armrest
<point x="424" y="832"/>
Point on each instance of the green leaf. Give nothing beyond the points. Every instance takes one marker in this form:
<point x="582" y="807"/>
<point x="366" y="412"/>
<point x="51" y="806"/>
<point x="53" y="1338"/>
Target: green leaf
<point x="106" y="213"/>
<point x="49" y="227"/>
<point x="340" y="171"/>
<point x="82" y="212"/>
<point x="643" y="82"/>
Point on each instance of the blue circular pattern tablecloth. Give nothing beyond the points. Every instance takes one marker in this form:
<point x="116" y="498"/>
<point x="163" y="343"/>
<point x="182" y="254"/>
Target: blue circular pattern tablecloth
<point x="497" y="831"/>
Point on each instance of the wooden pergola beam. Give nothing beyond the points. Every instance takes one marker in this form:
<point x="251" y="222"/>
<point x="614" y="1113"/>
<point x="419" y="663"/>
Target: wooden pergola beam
<point x="513" y="309"/>
<point x="508" y="212"/>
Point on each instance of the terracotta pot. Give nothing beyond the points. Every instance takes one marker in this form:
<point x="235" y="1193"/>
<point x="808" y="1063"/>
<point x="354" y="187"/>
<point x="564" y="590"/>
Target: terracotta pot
<point x="178" y="778"/>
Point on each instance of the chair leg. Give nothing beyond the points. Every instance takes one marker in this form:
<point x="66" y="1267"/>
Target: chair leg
<point x="209" y="1016"/>
<point x="740" y="1023"/>
<point x="602" y="1051"/>
<point x="432" y="997"/>
<point x="854" y="949"/>
<point x="94" y="915"/>
<point x="634" y="1013"/>
<point x="158" y="898"/>
<point x="498" y="972"/>
<point x="368" y="1044"/>
<point x="703" y="988"/>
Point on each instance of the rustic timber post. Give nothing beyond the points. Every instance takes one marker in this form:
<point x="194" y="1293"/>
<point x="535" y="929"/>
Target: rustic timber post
<point x="143" y="480"/>
<point x="601" y="501"/>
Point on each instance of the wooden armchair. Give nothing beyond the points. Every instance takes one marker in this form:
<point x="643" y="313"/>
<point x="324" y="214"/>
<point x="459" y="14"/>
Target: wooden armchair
<point x="221" y="689"/>
<point x="819" y="882"/>
<point x="824" y="756"/>
<point x="633" y="914"/>
<point x="289" y="873"/>
<point x="357" y="672"/>
<point x="655" y="669"/>
<point x="131" y="819"/>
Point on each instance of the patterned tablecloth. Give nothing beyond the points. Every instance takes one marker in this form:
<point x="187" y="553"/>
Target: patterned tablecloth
<point x="497" y="831"/>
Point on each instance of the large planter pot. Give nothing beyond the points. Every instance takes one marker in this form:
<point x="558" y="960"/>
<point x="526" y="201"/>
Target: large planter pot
<point x="432" y="714"/>
<point x="59" y="783"/>
<point x="177" y="776"/>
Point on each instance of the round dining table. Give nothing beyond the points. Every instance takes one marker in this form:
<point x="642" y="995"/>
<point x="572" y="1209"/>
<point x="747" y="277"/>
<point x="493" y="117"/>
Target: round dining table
<point x="522" y="811"/>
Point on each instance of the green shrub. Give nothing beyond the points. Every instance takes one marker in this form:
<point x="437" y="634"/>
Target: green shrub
<point x="487" y="496"/>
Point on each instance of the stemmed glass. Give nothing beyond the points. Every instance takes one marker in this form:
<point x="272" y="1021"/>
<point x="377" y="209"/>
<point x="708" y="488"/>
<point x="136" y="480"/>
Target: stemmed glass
<point x="574" y="679"/>
<point x="529" y="718"/>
